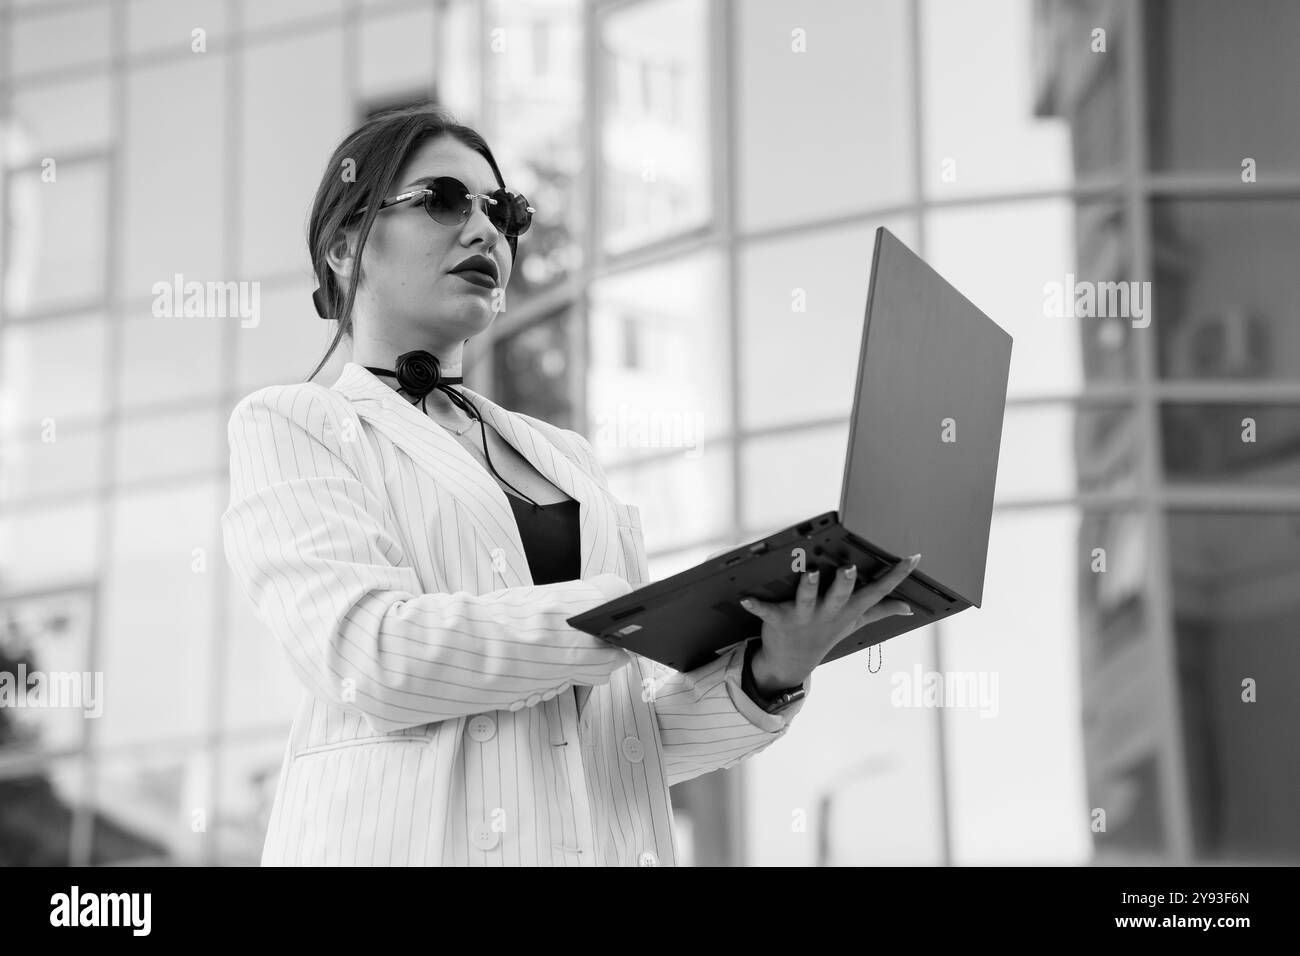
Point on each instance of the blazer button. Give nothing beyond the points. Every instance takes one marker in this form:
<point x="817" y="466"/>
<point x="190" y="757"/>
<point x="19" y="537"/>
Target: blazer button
<point x="482" y="728"/>
<point x="648" y="858"/>
<point x="484" y="837"/>
<point x="633" y="750"/>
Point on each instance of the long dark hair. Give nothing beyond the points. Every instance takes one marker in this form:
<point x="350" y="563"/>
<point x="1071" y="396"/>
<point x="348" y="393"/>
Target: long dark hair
<point x="372" y="156"/>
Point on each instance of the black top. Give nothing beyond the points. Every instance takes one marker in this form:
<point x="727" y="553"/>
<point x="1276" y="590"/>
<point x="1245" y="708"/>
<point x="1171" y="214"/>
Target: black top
<point x="551" y="539"/>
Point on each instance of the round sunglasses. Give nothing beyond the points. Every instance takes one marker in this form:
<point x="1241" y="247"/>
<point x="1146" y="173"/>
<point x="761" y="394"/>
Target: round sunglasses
<point x="448" y="201"/>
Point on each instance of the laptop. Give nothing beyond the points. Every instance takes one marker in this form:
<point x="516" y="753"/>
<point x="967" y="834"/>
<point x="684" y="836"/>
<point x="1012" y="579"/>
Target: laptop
<point x="924" y="433"/>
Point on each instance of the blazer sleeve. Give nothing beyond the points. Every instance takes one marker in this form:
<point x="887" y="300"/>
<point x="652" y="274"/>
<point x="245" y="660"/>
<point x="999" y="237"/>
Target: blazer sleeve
<point x="312" y="547"/>
<point x="706" y="720"/>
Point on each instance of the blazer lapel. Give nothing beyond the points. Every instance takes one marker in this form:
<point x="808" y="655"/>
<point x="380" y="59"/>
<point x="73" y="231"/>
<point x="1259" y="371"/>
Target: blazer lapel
<point x="441" y="455"/>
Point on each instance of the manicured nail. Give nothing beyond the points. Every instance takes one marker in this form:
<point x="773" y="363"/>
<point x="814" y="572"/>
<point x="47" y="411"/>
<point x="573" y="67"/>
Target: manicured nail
<point x="813" y="576"/>
<point x="851" y="571"/>
<point x="747" y="604"/>
<point x="915" y="558"/>
<point x="907" y="610"/>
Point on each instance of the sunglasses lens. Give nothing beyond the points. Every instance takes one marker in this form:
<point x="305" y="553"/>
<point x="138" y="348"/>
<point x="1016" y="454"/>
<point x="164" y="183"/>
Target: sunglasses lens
<point x="511" y="215"/>
<point x="449" y="204"/>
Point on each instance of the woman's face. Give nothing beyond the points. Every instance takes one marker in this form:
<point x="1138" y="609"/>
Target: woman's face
<point x="407" y="281"/>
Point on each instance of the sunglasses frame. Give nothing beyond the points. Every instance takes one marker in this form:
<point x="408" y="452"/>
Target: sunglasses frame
<point x="425" y="191"/>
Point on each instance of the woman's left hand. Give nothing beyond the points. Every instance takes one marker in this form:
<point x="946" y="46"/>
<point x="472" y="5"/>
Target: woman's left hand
<point x="799" y="633"/>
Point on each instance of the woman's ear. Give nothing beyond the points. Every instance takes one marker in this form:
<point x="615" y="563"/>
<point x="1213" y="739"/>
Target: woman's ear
<point x="340" y="257"/>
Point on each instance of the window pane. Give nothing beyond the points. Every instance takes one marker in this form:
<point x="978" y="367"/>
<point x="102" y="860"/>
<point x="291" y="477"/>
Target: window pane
<point x="396" y="54"/>
<point x="45" y="652"/>
<point x="461" y="43"/>
<point x="261" y="691"/>
<point x="824" y="109"/>
<point x="27" y="563"/>
<point x="536" y="122"/>
<point x="166" y="26"/>
<point x="258" y="15"/>
<point x="174" y="192"/>
<point x="659" y="353"/>
<point x="168" y="358"/>
<point x="1210" y="108"/>
<point x="34" y="469"/>
<point x="655" y="129"/>
<point x="792" y="476"/>
<point x="1256" y="444"/>
<point x="1024" y="690"/>
<point x="1236" y="590"/>
<point x="56" y="237"/>
<point x="144" y="805"/>
<point x="533" y="373"/>
<point x="683" y="497"/>
<point x="1057" y="451"/>
<point x="64" y="117"/>
<point x="48" y="40"/>
<point x="295" y="110"/>
<point x="249" y="775"/>
<point x="983" y="132"/>
<point x="803" y="303"/>
<point x="1227" y="288"/>
<point x="864" y="772"/>
<point x="1025" y="265"/>
<point x="288" y="340"/>
<point x="162" y="446"/>
<point x="39" y="360"/>
<point x="158" y="614"/>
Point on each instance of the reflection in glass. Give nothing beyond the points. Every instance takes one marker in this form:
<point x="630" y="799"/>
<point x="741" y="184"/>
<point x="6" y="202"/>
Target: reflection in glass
<point x="1207" y="110"/>
<point x="535" y="109"/>
<point x="824" y="109"/>
<point x="1077" y="81"/>
<point x="532" y="370"/>
<point x="1018" y="261"/>
<point x="1236" y="593"/>
<point x="659" y="347"/>
<point x="1060" y="450"/>
<point x="37" y="361"/>
<point x="1256" y="444"/>
<point x="173" y="186"/>
<point x="791" y="476"/>
<point x="684" y="496"/>
<point x="982" y="130"/>
<point x="654" y="121"/>
<point x="1227" y="288"/>
<point x="55" y="235"/>
<point x="50" y="40"/>
<point x="803" y="304"/>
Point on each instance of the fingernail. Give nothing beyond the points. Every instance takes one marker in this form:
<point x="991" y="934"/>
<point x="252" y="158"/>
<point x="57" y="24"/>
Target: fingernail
<point x="851" y="571"/>
<point x="907" y="610"/>
<point x="814" y="575"/>
<point x="915" y="558"/>
<point x="747" y="604"/>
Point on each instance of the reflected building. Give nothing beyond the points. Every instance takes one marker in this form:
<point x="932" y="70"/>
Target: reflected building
<point x="1187" y="638"/>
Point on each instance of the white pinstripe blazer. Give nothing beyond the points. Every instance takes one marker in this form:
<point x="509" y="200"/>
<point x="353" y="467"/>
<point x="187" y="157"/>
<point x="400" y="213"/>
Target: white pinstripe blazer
<point x="450" y="716"/>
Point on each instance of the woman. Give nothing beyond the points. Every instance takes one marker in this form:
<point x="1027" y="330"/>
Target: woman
<point x="417" y="549"/>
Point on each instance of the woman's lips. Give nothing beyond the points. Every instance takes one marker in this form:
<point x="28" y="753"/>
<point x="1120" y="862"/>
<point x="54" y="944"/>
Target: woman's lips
<point x="474" y="277"/>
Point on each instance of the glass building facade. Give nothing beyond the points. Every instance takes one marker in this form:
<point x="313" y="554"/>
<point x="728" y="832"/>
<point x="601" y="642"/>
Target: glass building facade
<point x="709" y="176"/>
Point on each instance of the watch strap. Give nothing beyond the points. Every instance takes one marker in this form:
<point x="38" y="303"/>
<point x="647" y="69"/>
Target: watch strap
<point x="771" y="704"/>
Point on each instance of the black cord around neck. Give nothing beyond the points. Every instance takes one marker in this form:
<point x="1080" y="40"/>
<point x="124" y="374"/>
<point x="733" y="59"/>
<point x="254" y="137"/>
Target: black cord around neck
<point x="460" y="401"/>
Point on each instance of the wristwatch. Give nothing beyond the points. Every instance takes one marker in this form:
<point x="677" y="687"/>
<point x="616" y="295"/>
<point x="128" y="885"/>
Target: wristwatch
<point x="774" y="704"/>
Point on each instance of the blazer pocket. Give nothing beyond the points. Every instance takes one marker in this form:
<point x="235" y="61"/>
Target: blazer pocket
<point x="359" y="742"/>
